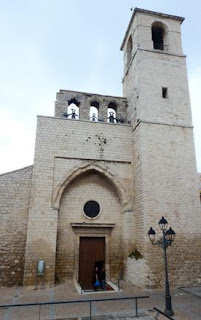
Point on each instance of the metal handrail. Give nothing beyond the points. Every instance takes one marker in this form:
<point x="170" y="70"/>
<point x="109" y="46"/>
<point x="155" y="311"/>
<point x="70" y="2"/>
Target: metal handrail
<point x="159" y="311"/>
<point x="90" y="301"/>
<point x="115" y="283"/>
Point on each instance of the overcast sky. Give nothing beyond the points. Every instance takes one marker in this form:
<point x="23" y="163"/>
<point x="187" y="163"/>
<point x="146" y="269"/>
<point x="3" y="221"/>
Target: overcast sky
<point x="48" y="45"/>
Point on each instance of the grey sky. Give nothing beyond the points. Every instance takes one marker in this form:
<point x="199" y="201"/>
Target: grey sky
<point x="50" y="45"/>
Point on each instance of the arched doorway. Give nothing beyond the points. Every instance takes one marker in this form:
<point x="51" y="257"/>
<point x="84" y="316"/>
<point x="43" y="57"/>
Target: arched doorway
<point x="83" y="241"/>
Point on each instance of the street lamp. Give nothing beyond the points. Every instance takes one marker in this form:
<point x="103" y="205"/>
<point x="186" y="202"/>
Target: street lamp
<point x="164" y="242"/>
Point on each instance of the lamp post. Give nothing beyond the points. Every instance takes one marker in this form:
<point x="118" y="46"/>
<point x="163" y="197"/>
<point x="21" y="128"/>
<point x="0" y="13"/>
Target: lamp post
<point x="164" y="242"/>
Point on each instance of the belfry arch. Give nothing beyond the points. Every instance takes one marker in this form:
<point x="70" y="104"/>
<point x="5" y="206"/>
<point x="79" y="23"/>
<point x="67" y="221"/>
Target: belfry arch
<point x="160" y="36"/>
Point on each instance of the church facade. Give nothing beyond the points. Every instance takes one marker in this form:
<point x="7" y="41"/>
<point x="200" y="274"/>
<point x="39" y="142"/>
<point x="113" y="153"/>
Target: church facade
<point x="107" y="168"/>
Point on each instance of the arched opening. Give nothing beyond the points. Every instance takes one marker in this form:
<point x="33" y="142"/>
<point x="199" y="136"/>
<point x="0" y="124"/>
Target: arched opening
<point x="93" y="113"/>
<point x="73" y="109"/>
<point x="129" y="50"/>
<point x="158" y="33"/>
<point x="79" y="233"/>
<point x="111" y="112"/>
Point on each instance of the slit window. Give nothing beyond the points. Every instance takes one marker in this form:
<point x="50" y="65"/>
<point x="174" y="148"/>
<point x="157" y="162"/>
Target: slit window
<point x="165" y="93"/>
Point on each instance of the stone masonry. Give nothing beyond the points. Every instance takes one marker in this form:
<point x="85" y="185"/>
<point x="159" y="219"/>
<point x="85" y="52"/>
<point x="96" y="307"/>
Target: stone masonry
<point x="165" y="177"/>
<point x="137" y="162"/>
<point x="14" y="206"/>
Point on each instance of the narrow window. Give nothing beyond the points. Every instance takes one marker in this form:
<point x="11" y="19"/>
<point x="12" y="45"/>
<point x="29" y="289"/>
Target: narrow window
<point x="157" y="36"/>
<point x="165" y="93"/>
<point x="93" y="114"/>
<point x="129" y="51"/>
<point x="111" y="112"/>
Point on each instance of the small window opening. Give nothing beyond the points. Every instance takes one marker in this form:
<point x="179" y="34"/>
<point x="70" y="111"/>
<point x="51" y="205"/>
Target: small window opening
<point x="73" y="109"/>
<point x="165" y="93"/>
<point x="93" y="114"/>
<point x="111" y="113"/>
<point x="157" y="37"/>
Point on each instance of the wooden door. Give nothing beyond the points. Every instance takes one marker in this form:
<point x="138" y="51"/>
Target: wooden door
<point x="91" y="253"/>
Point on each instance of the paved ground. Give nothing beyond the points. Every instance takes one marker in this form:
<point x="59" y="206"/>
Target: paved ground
<point x="186" y="304"/>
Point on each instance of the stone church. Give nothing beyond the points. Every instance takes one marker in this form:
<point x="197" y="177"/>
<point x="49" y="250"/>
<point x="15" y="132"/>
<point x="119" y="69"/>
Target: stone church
<point x="105" y="170"/>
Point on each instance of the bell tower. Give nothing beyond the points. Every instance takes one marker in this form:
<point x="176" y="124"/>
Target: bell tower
<point x="156" y="87"/>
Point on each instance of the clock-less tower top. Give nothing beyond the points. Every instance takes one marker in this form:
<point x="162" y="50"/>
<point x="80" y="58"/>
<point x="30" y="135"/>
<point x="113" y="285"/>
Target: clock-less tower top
<point x="155" y="77"/>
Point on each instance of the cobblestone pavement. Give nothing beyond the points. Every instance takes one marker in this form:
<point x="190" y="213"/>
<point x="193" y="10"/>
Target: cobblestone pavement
<point x="186" y="304"/>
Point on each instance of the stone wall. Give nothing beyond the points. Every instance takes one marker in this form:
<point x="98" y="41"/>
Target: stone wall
<point x="137" y="272"/>
<point x="65" y="149"/>
<point x="14" y="205"/>
<point x="168" y="186"/>
<point x="165" y="177"/>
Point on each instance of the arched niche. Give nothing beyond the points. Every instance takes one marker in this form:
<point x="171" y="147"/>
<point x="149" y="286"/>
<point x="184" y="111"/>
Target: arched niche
<point x="74" y="224"/>
<point x="129" y="49"/>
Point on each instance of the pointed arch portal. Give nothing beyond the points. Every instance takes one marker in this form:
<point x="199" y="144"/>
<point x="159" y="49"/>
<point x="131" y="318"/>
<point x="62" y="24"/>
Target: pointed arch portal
<point x="83" y="168"/>
<point x="89" y="240"/>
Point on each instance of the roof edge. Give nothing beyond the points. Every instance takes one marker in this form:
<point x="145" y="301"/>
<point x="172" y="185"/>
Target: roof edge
<point x="17" y="170"/>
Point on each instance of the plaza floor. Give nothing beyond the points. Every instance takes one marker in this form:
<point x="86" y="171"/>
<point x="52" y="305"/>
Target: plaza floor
<point x="186" y="303"/>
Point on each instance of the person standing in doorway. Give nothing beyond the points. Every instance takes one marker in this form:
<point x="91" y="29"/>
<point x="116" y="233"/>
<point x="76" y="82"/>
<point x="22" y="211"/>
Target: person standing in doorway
<point x="96" y="280"/>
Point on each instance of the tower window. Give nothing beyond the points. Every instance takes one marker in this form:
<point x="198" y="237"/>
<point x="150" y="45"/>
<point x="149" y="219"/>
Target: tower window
<point x="165" y="93"/>
<point x="157" y="36"/>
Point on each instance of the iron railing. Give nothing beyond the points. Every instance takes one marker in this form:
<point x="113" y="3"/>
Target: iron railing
<point x="116" y="283"/>
<point x="89" y="301"/>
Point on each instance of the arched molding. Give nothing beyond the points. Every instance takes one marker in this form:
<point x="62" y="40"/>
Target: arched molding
<point x="129" y="49"/>
<point x="113" y="105"/>
<point x="84" y="168"/>
<point x="95" y="103"/>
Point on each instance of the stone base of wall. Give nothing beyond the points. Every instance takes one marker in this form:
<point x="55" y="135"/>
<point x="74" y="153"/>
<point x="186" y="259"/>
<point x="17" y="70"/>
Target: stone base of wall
<point x="15" y="189"/>
<point x="137" y="272"/>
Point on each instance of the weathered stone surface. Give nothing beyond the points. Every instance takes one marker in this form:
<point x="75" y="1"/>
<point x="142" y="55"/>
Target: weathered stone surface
<point x="14" y="205"/>
<point x="165" y="177"/>
<point x="138" y="171"/>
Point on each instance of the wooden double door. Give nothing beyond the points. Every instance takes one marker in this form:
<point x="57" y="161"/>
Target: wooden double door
<point x="91" y="254"/>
